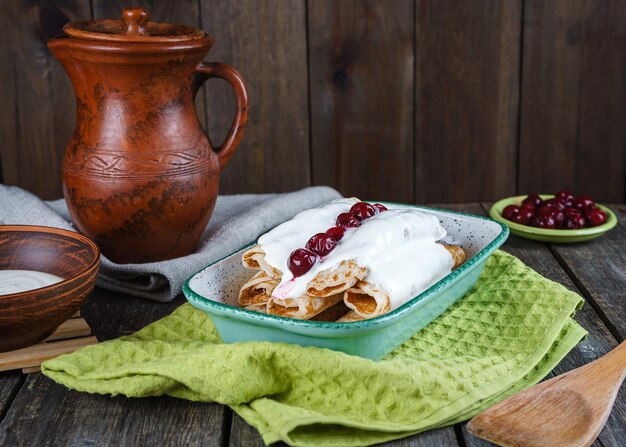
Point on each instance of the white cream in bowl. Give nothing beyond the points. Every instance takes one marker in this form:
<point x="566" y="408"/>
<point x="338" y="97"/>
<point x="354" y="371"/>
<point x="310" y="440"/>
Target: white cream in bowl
<point x="15" y="281"/>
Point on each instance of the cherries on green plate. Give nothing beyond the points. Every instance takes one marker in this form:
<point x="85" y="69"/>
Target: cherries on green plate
<point x="560" y="218"/>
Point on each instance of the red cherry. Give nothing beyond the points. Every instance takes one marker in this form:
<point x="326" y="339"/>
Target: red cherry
<point x="301" y="261"/>
<point x="528" y="206"/>
<point x="521" y="218"/>
<point x="379" y="207"/>
<point x="509" y="211"/>
<point x="574" y="222"/>
<point x="525" y="214"/>
<point x="544" y="209"/>
<point x="583" y="202"/>
<point x="543" y="221"/>
<point x="565" y="196"/>
<point x="555" y="203"/>
<point x="572" y="211"/>
<point x="336" y="233"/>
<point x="347" y="220"/>
<point x="321" y="244"/>
<point x="533" y="198"/>
<point x="362" y="210"/>
<point x="595" y="217"/>
<point x="559" y="217"/>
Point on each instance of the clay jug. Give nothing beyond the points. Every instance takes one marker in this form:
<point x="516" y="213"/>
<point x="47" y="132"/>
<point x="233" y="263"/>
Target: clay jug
<point x="140" y="176"/>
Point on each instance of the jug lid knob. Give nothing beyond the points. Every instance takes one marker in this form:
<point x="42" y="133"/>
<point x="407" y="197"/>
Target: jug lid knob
<point x="135" y="26"/>
<point x="135" y="20"/>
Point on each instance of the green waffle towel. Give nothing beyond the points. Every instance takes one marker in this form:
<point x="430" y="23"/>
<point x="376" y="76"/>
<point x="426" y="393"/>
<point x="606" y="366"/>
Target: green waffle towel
<point x="505" y="335"/>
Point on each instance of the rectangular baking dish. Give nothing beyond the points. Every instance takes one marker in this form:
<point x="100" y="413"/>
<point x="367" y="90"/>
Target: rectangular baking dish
<point x="215" y="290"/>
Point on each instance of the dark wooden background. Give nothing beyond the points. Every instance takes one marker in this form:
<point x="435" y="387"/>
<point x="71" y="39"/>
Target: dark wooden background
<point x="407" y="100"/>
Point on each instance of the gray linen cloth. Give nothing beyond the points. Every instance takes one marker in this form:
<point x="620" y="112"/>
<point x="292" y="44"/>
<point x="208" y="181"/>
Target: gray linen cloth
<point x="236" y="221"/>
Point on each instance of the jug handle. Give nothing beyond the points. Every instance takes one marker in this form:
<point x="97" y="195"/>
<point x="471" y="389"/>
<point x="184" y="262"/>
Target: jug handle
<point x="209" y="70"/>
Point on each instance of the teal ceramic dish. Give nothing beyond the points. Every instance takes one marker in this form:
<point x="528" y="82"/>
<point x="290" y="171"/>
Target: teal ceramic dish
<point x="215" y="290"/>
<point x="545" y="235"/>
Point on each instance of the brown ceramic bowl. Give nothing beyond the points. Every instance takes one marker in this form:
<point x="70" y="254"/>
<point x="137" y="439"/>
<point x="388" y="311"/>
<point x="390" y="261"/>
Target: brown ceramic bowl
<point x="31" y="316"/>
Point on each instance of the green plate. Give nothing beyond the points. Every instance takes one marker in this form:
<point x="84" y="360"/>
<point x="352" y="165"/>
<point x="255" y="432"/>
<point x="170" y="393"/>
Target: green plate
<point x="546" y="235"/>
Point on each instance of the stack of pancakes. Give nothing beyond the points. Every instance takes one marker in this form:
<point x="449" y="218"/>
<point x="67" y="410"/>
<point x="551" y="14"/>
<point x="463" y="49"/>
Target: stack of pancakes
<point x="341" y="294"/>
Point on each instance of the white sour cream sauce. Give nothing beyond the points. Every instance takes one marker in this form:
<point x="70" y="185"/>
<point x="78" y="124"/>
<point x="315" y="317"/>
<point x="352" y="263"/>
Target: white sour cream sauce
<point x="398" y="247"/>
<point x="15" y="281"/>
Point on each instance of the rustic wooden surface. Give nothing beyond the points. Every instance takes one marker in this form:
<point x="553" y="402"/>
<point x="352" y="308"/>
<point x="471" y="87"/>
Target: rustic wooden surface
<point x="65" y="417"/>
<point x="361" y="68"/>
<point x="36" y="95"/>
<point x="266" y="42"/>
<point x="573" y="100"/>
<point x="467" y="88"/>
<point x="425" y="100"/>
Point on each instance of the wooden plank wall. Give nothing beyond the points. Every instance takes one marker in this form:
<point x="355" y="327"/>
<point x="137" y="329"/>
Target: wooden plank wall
<point x="406" y="100"/>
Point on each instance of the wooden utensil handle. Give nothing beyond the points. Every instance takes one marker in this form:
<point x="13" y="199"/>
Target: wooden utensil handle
<point x="616" y="359"/>
<point x="209" y="70"/>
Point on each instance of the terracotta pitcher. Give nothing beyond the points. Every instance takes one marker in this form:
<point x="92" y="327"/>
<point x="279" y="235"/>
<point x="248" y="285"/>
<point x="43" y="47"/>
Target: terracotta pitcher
<point x="140" y="177"/>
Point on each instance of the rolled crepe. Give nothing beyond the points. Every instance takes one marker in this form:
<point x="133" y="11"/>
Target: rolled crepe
<point x="303" y="308"/>
<point x="368" y="301"/>
<point x="333" y="313"/>
<point x="254" y="258"/>
<point x="325" y="283"/>
<point x="262" y="308"/>
<point x="349" y="317"/>
<point x="331" y="282"/>
<point x="457" y="253"/>
<point x="258" y="290"/>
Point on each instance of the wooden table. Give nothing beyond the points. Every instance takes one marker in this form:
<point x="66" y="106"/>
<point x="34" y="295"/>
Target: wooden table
<point x="36" y="411"/>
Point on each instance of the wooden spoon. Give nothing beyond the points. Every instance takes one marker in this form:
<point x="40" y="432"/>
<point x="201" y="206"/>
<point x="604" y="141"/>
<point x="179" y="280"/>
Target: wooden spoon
<point x="570" y="409"/>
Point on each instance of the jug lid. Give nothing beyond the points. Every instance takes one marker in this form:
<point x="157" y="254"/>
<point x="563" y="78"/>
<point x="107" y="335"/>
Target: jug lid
<point x="134" y="26"/>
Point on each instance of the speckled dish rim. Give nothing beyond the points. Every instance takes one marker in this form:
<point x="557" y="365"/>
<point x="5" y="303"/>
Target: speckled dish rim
<point x="496" y="213"/>
<point x="384" y="319"/>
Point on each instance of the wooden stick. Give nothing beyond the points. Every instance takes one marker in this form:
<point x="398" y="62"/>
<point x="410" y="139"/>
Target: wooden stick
<point x="37" y="354"/>
<point x="76" y="327"/>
